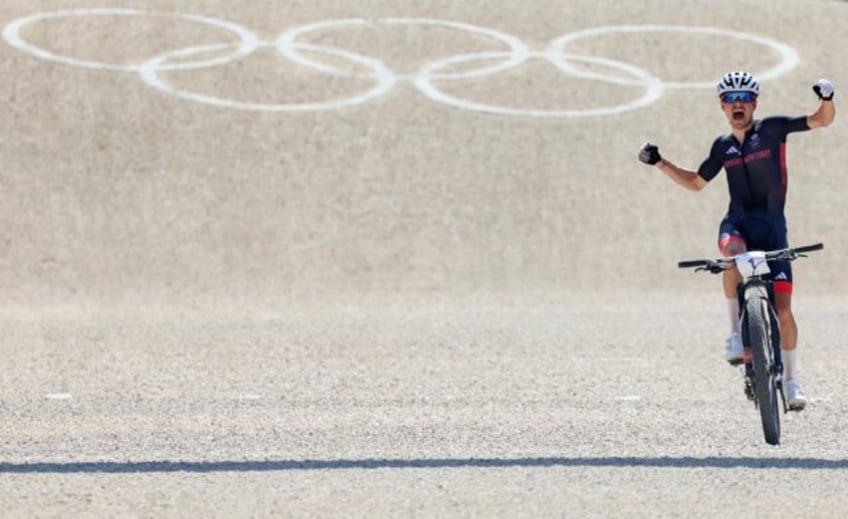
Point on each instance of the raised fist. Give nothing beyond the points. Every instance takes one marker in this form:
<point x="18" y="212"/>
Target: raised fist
<point x="649" y="154"/>
<point x="824" y="89"/>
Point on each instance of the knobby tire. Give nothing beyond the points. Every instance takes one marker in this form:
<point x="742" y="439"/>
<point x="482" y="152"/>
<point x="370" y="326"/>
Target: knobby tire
<point x="765" y="384"/>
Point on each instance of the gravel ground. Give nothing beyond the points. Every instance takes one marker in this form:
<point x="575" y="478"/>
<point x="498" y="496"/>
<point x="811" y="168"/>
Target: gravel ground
<point x="532" y="409"/>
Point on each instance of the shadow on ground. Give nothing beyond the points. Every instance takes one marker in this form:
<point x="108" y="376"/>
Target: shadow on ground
<point x="370" y="464"/>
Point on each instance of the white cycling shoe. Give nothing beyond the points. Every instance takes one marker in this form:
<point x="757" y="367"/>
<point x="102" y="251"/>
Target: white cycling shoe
<point x="733" y="349"/>
<point x="795" y="398"/>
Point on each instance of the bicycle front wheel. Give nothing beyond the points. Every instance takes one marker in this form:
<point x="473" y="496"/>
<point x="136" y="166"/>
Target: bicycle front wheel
<point x="765" y="382"/>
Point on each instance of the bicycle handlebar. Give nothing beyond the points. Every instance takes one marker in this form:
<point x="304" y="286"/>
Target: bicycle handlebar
<point x="717" y="265"/>
<point x="694" y="263"/>
<point x="808" y="248"/>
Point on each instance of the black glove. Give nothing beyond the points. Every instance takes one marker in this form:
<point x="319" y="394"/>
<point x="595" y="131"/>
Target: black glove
<point x="649" y="154"/>
<point x="824" y="89"/>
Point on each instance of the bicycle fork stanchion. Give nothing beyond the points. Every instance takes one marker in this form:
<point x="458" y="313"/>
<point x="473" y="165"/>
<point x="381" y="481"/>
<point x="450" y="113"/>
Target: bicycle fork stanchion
<point x="747" y="352"/>
<point x="747" y="362"/>
<point x="748" y="359"/>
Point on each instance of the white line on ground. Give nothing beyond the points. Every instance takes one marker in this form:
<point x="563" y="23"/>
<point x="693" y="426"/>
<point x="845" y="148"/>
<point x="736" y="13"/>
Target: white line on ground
<point x="57" y="396"/>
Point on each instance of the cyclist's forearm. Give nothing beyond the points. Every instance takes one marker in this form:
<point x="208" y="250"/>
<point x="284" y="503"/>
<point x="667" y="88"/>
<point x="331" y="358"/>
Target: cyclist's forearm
<point x="824" y="116"/>
<point x="683" y="177"/>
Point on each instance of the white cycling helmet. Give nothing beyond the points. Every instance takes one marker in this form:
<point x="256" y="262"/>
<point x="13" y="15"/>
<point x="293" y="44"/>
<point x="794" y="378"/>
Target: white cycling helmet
<point x="738" y="82"/>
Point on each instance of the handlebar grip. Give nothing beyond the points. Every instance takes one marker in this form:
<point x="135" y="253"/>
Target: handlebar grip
<point x="809" y="248"/>
<point x="692" y="263"/>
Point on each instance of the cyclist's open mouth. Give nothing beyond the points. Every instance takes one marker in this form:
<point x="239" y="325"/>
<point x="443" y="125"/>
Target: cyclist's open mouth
<point x="738" y="115"/>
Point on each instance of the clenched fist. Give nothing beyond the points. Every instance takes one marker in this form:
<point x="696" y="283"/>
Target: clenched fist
<point x="649" y="154"/>
<point x="824" y="89"/>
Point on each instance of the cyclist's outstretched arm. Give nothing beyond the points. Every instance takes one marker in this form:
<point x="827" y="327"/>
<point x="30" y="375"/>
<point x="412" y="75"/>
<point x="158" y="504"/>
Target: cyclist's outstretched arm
<point x="826" y="111"/>
<point x="687" y="178"/>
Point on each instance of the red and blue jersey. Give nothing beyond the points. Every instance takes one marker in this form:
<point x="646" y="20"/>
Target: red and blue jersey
<point x="755" y="168"/>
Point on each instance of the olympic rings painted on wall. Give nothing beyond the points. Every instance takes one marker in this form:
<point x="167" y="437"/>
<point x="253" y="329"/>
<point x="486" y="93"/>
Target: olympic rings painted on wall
<point x="385" y="80"/>
<point x="426" y="79"/>
<point x="788" y="56"/>
<point x="11" y="33"/>
<point x="653" y="87"/>
<point x="517" y="54"/>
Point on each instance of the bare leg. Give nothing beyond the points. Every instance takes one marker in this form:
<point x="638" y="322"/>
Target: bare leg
<point x="788" y="334"/>
<point x="789" y="342"/>
<point x="733" y="352"/>
<point x="730" y="279"/>
<point x="788" y="328"/>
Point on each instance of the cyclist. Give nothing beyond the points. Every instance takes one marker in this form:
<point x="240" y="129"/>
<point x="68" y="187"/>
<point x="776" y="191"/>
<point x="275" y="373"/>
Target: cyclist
<point x="753" y="157"/>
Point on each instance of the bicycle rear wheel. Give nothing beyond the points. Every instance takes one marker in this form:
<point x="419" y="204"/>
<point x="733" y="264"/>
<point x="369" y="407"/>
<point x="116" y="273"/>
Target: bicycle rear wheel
<point x="765" y="383"/>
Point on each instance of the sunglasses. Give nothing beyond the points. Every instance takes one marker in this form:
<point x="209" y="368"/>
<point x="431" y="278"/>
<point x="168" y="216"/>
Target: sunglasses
<point x="732" y="97"/>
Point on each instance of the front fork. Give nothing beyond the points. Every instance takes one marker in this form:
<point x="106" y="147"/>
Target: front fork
<point x="759" y="289"/>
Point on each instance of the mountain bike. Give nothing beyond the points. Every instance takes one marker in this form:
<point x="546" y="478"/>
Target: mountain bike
<point x="760" y="328"/>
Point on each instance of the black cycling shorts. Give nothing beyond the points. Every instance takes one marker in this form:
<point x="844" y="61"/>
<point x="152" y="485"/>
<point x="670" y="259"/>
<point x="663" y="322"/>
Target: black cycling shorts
<point x="760" y="231"/>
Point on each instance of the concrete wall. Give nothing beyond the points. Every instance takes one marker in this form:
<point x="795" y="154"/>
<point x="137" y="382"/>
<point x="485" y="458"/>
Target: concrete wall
<point x="112" y="190"/>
